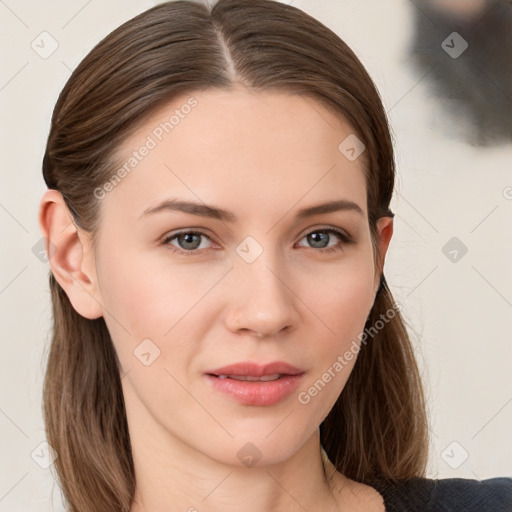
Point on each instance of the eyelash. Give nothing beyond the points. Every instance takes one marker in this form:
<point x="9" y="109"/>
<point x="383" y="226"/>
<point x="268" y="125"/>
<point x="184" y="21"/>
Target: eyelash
<point x="346" y="239"/>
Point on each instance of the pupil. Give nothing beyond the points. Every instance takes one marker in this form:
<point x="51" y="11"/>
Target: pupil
<point x="188" y="239"/>
<point x="316" y="236"/>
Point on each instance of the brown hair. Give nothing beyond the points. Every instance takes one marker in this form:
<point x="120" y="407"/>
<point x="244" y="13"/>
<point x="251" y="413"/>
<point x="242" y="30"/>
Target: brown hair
<point x="378" y="426"/>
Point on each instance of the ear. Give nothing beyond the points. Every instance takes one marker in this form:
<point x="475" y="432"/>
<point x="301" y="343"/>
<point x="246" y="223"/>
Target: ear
<point x="69" y="254"/>
<point x="385" y="231"/>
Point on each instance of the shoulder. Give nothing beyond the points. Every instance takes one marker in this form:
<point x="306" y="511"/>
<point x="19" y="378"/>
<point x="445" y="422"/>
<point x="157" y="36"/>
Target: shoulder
<point x="353" y="495"/>
<point x="446" y="495"/>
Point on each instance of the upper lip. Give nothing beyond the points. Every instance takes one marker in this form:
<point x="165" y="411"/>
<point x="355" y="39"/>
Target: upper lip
<point x="252" y="369"/>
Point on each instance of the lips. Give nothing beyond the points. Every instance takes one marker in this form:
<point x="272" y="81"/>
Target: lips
<point x="254" y="384"/>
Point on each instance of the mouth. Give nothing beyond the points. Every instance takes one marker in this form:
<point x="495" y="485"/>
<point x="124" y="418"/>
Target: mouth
<point x="253" y="384"/>
<point x="251" y="378"/>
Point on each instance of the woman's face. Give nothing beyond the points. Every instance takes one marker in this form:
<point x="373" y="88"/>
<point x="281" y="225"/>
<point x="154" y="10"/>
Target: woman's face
<point x="259" y="282"/>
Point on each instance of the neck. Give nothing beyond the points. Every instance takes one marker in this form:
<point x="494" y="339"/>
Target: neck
<point x="177" y="478"/>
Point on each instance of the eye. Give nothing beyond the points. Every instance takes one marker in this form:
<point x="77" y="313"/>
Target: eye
<point x="189" y="242"/>
<point x="320" y="238"/>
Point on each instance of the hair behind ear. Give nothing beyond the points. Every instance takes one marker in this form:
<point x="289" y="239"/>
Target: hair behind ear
<point x="83" y="400"/>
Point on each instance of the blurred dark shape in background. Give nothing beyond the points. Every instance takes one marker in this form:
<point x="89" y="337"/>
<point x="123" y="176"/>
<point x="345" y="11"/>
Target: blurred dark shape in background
<point x="476" y="86"/>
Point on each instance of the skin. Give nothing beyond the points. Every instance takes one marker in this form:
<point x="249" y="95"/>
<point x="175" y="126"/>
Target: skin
<point x="261" y="156"/>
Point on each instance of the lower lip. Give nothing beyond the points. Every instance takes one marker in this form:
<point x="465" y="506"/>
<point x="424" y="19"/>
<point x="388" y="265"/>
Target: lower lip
<point x="257" y="392"/>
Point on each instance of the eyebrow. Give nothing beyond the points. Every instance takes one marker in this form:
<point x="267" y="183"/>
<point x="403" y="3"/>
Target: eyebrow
<point x="204" y="210"/>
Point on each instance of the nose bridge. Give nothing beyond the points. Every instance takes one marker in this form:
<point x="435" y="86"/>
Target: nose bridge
<point x="263" y="301"/>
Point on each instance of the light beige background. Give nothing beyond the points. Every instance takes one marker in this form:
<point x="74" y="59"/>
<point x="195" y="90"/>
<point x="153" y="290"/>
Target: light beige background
<point x="460" y="312"/>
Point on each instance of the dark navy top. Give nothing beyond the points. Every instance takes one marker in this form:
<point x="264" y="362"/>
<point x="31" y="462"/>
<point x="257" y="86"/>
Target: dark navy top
<point x="446" y="495"/>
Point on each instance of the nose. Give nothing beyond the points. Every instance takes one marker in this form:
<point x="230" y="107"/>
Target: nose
<point x="262" y="299"/>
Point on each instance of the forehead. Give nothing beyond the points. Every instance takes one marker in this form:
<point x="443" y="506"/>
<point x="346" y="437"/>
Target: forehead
<point x="245" y="148"/>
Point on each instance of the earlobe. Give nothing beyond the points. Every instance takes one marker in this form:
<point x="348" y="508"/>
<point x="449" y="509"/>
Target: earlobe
<point x="385" y="232"/>
<point x="69" y="255"/>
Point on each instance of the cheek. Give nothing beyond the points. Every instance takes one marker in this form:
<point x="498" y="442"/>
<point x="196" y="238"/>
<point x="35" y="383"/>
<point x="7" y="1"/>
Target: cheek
<point x="340" y="307"/>
<point x="143" y="301"/>
<point x="341" y="300"/>
<point x="145" y="297"/>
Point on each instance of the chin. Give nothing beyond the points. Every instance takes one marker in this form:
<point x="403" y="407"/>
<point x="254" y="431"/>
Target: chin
<point x="259" y="447"/>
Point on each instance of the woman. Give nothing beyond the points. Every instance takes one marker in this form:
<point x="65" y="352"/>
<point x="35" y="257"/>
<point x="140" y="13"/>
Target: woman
<point x="218" y="219"/>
